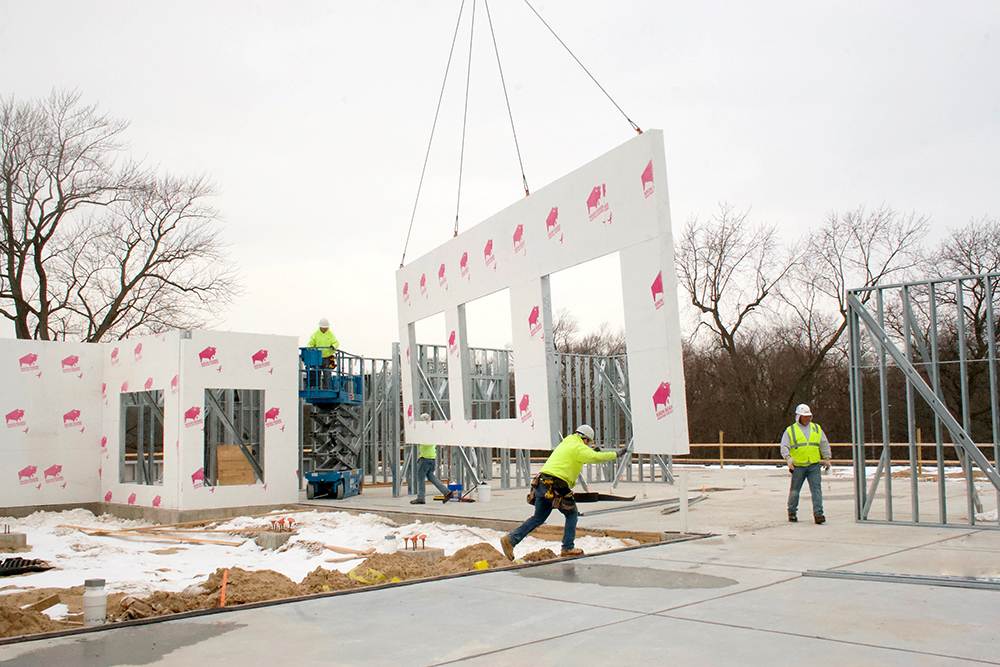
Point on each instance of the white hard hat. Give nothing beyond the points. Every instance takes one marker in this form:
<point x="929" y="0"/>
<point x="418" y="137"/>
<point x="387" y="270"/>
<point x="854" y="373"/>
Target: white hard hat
<point x="585" y="431"/>
<point x="324" y="323"/>
<point x="424" y="417"/>
<point x="803" y="410"/>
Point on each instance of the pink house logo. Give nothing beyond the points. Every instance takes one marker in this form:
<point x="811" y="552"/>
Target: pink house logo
<point x="597" y="202"/>
<point x="207" y="357"/>
<point x="259" y="359"/>
<point x="406" y="293"/>
<point x="104" y="392"/>
<point x="149" y="385"/>
<point x="114" y="357"/>
<point x="70" y="364"/>
<point x="463" y="266"/>
<point x="519" y="239"/>
<point x="661" y="401"/>
<point x="156" y="501"/>
<point x="442" y="280"/>
<point x="523" y="408"/>
<point x="53" y="474"/>
<point x="15" y="418"/>
<point x="107" y="497"/>
<point x="71" y="419"/>
<point x="657" y="289"/>
<point x="27" y="475"/>
<point x="138" y="352"/>
<point x="131" y="499"/>
<point x="124" y="387"/>
<point x="409" y="414"/>
<point x="491" y="260"/>
<point x="175" y="384"/>
<point x="453" y="344"/>
<point x="552" y="224"/>
<point x="198" y="478"/>
<point x="647" y="179"/>
<point x="28" y="362"/>
<point x="423" y="284"/>
<point x="104" y="444"/>
<point x="534" y="322"/>
<point x="192" y="416"/>
<point x="271" y="417"/>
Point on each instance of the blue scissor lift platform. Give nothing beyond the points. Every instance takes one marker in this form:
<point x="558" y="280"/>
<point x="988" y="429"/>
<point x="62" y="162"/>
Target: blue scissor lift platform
<point x="334" y="394"/>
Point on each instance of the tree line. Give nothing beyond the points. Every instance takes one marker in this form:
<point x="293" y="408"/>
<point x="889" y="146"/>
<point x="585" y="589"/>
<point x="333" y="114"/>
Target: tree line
<point x="770" y="321"/>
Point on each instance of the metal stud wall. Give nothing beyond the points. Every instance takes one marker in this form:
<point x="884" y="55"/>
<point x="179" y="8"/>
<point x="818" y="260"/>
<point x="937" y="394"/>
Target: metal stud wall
<point x="923" y="359"/>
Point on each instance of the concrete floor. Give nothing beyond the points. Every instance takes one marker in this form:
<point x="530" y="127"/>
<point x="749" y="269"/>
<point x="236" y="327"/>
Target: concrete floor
<point x="737" y="598"/>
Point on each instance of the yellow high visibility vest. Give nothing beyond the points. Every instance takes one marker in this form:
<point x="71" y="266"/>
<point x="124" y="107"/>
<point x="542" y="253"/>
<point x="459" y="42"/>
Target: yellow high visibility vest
<point x="804" y="450"/>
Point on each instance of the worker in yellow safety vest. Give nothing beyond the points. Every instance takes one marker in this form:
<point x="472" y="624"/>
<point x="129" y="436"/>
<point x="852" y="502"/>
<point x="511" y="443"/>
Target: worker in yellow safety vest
<point x="805" y="447"/>
<point x="426" y="463"/>
<point x="323" y="338"/>
<point x="553" y="487"/>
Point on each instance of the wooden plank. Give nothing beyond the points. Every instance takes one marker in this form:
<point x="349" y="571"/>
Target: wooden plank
<point x="42" y="605"/>
<point x="233" y="467"/>
<point x="347" y="550"/>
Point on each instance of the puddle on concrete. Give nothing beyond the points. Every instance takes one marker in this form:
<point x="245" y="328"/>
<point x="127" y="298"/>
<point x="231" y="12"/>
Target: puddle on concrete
<point x="623" y="576"/>
<point x="143" y="645"/>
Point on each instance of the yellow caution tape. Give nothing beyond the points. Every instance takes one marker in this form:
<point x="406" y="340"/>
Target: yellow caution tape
<point x="370" y="576"/>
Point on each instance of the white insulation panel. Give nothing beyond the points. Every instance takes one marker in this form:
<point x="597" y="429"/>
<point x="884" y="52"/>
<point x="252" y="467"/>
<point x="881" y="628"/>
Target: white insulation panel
<point x="618" y="202"/>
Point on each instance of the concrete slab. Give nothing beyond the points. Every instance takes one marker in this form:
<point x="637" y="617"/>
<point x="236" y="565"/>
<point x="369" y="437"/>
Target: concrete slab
<point x="737" y="598"/>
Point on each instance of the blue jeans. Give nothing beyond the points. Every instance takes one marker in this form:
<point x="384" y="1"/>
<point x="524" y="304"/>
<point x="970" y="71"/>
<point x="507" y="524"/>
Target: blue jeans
<point x="425" y="471"/>
<point x="799" y="475"/>
<point x="543" y="507"/>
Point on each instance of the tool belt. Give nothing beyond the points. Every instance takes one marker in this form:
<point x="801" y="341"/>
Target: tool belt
<point x="555" y="489"/>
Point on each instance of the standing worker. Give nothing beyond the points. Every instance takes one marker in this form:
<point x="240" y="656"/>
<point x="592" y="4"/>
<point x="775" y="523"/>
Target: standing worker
<point x="553" y="487"/>
<point x="324" y="338"/>
<point x="805" y="447"/>
<point x="425" y="470"/>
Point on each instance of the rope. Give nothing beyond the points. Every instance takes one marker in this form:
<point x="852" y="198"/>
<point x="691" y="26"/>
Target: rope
<point x="433" y="126"/>
<point x="503" y="83"/>
<point x="634" y="126"/>
<point x="465" y="116"/>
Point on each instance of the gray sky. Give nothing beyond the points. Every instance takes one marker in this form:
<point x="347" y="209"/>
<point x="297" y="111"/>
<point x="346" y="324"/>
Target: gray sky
<point x="313" y="119"/>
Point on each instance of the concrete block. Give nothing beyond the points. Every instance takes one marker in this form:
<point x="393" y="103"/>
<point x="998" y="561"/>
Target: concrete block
<point x="430" y="555"/>
<point x="270" y="539"/>
<point x="13" y="541"/>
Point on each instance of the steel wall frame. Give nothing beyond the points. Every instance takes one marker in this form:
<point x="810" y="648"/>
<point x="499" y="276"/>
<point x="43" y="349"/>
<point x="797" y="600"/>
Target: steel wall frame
<point x="594" y="391"/>
<point x="910" y="325"/>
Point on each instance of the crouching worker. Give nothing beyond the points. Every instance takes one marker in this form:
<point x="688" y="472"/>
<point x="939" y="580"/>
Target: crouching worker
<point x="553" y="487"/>
<point x="425" y="470"/>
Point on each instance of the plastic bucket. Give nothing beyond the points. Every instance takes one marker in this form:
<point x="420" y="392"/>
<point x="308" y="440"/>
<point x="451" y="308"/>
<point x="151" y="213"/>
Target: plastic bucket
<point x="483" y="490"/>
<point x="456" y="490"/>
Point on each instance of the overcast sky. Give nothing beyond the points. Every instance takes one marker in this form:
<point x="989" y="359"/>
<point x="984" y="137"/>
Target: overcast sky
<point x="313" y="120"/>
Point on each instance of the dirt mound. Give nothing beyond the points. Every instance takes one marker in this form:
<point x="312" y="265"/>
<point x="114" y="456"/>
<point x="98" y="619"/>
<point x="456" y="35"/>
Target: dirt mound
<point x="397" y="565"/>
<point x="250" y="586"/>
<point x="321" y="581"/>
<point x="540" y="555"/>
<point x="15" y="622"/>
<point x="465" y="559"/>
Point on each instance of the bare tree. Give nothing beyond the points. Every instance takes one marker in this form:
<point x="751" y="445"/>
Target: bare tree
<point x="91" y="246"/>
<point x="858" y="248"/>
<point x="729" y="266"/>
<point x="565" y="327"/>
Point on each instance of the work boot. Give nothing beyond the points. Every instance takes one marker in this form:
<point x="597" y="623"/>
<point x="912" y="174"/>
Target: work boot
<point x="792" y="517"/>
<point x="508" y="548"/>
<point x="820" y="518"/>
<point x="448" y="496"/>
<point x="416" y="501"/>
<point x="570" y="552"/>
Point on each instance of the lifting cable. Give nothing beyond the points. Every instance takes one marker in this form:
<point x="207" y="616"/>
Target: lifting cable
<point x="465" y="115"/>
<point x="503" y="83"/>
<point x="634" y="126"/>
<point x="433" y="126"/>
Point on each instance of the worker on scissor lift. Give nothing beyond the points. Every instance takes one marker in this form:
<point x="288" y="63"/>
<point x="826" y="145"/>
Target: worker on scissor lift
<point x="323" y="338"/>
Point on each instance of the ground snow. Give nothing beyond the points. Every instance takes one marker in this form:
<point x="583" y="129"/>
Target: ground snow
<point x="132" y="566"/>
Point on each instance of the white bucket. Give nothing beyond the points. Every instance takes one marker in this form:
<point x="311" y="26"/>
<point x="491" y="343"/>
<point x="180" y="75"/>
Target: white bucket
<point x="483" y="490"/>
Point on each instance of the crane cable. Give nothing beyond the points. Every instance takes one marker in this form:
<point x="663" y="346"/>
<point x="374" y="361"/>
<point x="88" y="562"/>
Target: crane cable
<point x="634" y="126"/>
<point x="524" y="179"/>
<point x="506" y="98"/>
<point x="433" y="127"/>
<point x="465" y="116"/>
